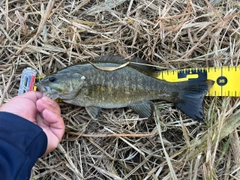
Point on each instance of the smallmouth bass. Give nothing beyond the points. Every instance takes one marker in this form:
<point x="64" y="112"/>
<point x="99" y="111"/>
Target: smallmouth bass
<point x="131" y="86"/>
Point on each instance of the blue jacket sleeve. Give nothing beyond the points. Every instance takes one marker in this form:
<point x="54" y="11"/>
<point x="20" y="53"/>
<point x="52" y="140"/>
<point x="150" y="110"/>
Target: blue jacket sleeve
<point x="21" y="144"/>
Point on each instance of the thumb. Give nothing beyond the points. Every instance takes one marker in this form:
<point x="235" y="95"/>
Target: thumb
<point x="32" y="95"/>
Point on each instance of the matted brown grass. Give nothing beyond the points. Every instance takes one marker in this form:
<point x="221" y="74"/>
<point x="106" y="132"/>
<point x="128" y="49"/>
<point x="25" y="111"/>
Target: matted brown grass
<point x="50" y="35"/>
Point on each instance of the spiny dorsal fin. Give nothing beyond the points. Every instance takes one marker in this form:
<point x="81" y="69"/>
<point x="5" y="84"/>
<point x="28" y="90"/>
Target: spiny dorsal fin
<point x="136" y="63"/>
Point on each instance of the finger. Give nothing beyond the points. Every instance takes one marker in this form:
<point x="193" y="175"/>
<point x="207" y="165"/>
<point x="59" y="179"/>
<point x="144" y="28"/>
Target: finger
<point x="47" y="103"/>
<point x="54" y="122"/>
<point x="53" y="126"/>
<point x="32" y="95"/>
<point x="53" y="140"/>
<point x="53" y="104"/>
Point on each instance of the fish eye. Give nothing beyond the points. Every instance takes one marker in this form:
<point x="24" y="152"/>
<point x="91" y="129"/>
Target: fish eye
<point x="52" y="79"/>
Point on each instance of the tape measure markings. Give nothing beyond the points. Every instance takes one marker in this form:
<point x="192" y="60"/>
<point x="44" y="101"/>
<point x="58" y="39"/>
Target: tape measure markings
<point x="226" y="78"/>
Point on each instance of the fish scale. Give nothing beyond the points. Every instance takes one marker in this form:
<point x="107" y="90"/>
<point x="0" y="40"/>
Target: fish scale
<point x="108" y="81"/>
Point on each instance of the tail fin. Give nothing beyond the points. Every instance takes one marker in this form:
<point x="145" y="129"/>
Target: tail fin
<point x="190" y="98"/>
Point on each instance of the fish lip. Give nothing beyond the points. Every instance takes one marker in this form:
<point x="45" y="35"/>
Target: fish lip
<point x="47" y="88"/>
<point x="42" y="88"/>
<point x="47" y="91"/>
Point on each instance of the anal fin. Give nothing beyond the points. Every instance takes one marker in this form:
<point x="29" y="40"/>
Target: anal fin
<point x="93" y="111"/>
<point x="144" y="109"/>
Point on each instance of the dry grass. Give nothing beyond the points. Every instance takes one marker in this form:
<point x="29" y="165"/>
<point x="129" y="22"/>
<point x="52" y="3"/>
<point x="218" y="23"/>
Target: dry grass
<point x="49" y="35"/>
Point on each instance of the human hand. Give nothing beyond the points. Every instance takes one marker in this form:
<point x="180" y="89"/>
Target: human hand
<point x="40" y="110"/>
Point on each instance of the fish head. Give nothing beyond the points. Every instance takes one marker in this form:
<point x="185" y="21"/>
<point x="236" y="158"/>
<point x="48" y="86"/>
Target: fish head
<point x="65" y="85"/>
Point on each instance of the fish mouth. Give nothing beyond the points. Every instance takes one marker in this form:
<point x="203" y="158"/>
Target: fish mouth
<point x="47" y="91"/>
<point x="43" y="89"/>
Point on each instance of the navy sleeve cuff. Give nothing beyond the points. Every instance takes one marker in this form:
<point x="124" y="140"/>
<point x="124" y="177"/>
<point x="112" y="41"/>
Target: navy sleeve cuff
<point x="21" y="144"/>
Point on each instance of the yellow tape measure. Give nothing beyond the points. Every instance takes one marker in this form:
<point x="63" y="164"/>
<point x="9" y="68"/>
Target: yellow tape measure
<point x="225" y="78"/>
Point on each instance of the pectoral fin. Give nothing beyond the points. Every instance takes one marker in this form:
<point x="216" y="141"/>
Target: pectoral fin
<point x="93" y="111"/>
<point x="144" y="109"/>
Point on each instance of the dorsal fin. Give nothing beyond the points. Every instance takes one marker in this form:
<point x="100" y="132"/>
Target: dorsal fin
<point x="110" y="59"/>
<point x="137" y="63"/>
